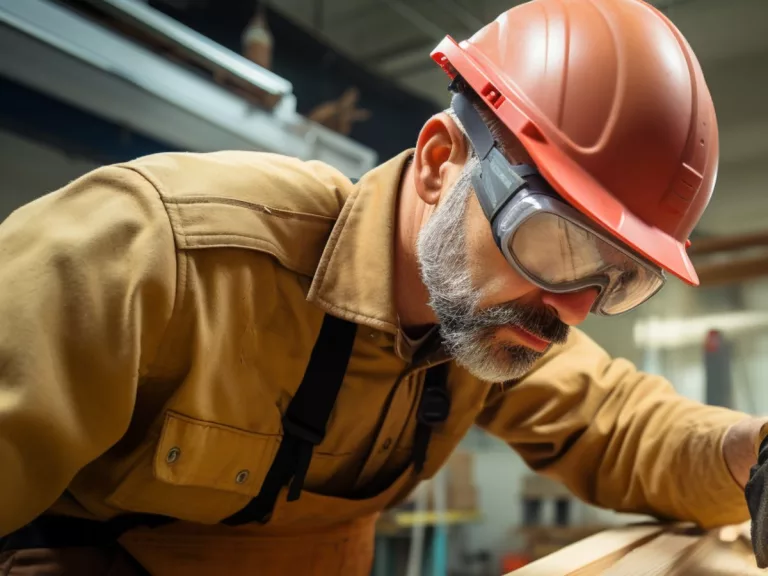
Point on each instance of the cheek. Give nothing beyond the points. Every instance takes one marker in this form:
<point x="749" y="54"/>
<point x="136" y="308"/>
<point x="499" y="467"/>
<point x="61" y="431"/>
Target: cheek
<point x="491" y="274"/>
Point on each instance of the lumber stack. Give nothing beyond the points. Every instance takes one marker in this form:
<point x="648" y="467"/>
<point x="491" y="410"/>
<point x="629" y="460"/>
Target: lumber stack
<point x="652" y="550"/>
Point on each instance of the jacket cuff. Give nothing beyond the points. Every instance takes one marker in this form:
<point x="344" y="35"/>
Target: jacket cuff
<point x="760" y="437"/>
<point x="727" y="500"/>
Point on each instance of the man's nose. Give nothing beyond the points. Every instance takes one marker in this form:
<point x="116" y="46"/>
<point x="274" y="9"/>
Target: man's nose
<point x="573" y="307"/>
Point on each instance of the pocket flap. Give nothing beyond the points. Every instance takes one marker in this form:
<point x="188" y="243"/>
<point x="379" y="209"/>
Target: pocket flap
<point x="209" y="455"/>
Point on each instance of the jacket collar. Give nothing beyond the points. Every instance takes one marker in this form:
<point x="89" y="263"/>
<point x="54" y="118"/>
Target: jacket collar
<point x="354" y="278"/>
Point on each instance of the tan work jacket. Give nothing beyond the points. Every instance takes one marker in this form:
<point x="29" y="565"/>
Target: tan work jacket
<point x="156" y="318"/>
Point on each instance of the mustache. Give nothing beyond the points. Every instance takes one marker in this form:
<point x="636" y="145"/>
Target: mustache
<point x="541" y="322"/>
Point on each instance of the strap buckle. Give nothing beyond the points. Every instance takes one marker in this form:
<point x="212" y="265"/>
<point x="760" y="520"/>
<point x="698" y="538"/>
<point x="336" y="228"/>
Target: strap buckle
<point x="434" y="407"/>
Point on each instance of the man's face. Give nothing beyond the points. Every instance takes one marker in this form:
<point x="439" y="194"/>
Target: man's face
<point x="493" y="321"/>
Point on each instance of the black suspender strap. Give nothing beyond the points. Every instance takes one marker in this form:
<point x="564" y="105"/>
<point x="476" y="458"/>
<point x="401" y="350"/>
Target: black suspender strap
<point x="434" y="406"/>
<point x="305" y="420"/>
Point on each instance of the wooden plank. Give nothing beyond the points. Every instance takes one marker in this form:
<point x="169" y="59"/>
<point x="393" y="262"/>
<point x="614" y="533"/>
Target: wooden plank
<point x="591" y="556"/>
<point x="651" y="550"/>
<point x="713" y="557"/>
<point x="654" y="558"/>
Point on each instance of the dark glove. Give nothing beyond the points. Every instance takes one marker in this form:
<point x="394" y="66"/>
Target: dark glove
<point x="756" y="492"/>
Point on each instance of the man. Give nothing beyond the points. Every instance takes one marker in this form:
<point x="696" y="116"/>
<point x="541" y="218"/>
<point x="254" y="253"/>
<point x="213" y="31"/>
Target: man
<point x="232" y="362"/>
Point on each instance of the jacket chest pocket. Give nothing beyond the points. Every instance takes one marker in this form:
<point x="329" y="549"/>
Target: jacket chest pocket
<point x="198" y="471"/>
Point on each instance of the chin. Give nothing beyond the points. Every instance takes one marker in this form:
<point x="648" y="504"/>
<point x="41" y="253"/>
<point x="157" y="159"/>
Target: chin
<point x="500" y="362"/>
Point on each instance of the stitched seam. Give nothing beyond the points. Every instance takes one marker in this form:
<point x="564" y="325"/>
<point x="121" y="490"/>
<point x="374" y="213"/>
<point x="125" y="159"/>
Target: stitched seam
<point x="261" y="208"/>
<point x="325" y="264"/>
<point x="281" y="255"/>
<point x="182" y="293"/>
<point x="329" y="455"/>
<point x="330" y="244"/>
<point x="184" y="280"/>
<point x="271" y="248"/>
<point x="204" y="424"/>
<point x="233" y="236"/>
<point x="179" y="281"/>
<point x="355" y="314"/>
<point x="222" y="234"/>
<point x="182" y="230"/>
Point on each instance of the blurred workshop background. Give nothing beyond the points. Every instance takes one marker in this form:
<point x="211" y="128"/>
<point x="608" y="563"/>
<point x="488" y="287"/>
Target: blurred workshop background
<point x="350" y="82"/>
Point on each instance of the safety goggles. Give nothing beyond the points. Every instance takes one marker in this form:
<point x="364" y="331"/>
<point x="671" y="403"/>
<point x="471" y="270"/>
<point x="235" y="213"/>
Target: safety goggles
<point x="544" y="238"/>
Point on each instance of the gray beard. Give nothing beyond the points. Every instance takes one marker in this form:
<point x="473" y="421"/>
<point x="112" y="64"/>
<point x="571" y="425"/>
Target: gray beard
<point x="467" y="331"/>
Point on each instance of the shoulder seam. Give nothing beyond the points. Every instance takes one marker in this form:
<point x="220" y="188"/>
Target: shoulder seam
<point x="207" y="199"/>
<point x="147" y="176"/>
<point x="263" y="208"/>
<point x="181" y="292"/>
<point x="197" y="239"/>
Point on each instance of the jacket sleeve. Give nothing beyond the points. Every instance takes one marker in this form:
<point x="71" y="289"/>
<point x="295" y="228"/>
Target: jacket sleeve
<point x="87" y="286"/>
<point x="619" y="438"/>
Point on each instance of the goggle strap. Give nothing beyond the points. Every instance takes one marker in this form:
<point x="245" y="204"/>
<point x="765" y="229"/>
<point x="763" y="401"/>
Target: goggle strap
<point x="477" y="132"/>
<point x="495" y="181"/>
<point x="485" y="178"/>
<point x="495" y="184"/>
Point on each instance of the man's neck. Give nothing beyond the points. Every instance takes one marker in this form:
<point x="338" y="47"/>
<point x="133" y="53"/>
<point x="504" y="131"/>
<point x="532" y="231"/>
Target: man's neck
<point x="411" y="295"/>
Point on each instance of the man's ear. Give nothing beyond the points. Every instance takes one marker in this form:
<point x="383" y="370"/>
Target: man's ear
<point x="441" y="152"/>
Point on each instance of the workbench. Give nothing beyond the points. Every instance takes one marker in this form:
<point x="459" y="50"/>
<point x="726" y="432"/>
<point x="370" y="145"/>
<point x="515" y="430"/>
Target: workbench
<point x="652" y="550"/>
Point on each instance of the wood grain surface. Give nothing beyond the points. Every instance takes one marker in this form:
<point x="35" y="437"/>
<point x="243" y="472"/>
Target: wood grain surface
<point x="652" y="550"/>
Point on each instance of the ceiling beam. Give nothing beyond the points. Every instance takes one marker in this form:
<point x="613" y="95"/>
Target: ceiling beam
<point x="467" y="19"/>
<point x="664" y="5"/>
<point x="743" y="143"/>
<point x="733" y="272"/>
<point x="714" y="244"/>
<point x="318" y="20"/>
<point x="389" y="53"/>
<point x="353" y="16"/>
<point x="416" y="18"/>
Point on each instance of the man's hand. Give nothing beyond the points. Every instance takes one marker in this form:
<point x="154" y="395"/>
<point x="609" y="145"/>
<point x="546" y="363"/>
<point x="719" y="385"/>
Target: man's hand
<point x="746" y="453"/>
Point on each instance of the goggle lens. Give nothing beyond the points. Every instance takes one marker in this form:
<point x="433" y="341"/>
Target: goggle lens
<point x="564" y="256"/>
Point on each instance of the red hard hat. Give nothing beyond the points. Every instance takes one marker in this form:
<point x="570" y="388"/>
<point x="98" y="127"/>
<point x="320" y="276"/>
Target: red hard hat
<point x="610" y="101"/>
